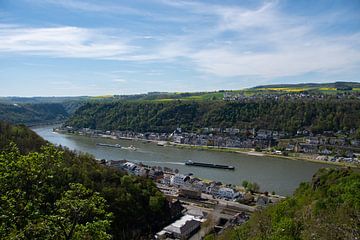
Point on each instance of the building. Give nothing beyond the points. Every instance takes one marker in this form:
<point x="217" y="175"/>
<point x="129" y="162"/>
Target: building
<point x="227" y="193"/>
<point x="190" y="193"/>
<point x="179" y="180"/>
<point x="182" y="228"/>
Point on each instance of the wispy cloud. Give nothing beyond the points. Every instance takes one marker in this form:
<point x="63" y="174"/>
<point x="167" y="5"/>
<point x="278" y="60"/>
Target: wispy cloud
<point x="71" y="42"/>
<point x="93" y="7"/>
<point x="268" y="43"/>
<point x="229" y="41"/>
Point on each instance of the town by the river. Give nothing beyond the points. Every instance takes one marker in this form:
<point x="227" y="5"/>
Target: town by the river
<point x="271" y="173"/>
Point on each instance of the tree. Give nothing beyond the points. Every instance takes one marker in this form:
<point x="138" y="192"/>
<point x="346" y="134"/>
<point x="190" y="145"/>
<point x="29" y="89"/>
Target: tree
<point x="81" y="214"/>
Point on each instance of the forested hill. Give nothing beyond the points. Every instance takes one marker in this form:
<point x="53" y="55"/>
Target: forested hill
<point x="54" y="193"/>
<point x="165" y="116"/>
<point x="30" y="114"/>
<point x="314" y="86"/>
<point x="26" y="139"/>
<point x="326" y="208"/>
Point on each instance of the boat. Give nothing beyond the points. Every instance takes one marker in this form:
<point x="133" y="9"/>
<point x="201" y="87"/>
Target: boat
<point x="132" y="148"/>
<point x="109" y="145"/>
<point x="209" y="165"/>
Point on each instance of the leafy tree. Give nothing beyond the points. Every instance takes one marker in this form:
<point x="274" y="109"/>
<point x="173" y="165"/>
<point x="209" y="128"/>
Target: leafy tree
<point x="54" y="193"/>
<point x="326" y="208"/>
<point x="81" y="214"/>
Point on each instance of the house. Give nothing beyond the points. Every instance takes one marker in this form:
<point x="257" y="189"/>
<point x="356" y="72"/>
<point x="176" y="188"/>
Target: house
<point x="213" y="190"/>
<point x="228" y="193"/>
<point x="178" y="139"/>
<point x="305" y="148"/>
<point x="179" y="180"/>
<point x="326" y="151"/>
<point x="166" y="180"/>
<point x="182" y="228"/>
<point x="129" y="167"/>
<point x="312" y="140"/>
<point x="263" y="134"/>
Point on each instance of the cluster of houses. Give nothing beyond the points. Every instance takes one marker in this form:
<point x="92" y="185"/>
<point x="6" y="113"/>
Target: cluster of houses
<point x="329" y="143"/>
<point x="333" y="149"/>
<point x="171" y="182"/>
<point x="241" y="97"/>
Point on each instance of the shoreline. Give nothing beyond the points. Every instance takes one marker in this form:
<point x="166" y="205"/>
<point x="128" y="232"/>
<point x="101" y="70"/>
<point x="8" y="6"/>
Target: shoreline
<point x="244" y="151"/>
<point x="252" y="152"/>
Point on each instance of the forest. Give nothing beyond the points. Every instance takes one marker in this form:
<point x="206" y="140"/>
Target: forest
<point x="326" y="208"/>
<point x="30" y="114"/>
<point x="166" y="116"/>
<point x="50" y="192"/>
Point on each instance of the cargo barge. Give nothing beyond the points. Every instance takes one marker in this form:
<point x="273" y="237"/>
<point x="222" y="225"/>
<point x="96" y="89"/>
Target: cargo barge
<point x="109" y="145"/>
<point x="209" y="165"/>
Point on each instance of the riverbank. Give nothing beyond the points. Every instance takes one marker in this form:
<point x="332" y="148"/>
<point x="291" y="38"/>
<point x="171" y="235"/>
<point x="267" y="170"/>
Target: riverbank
<point x="252" y="152"/>
<point x="245" y="151"/>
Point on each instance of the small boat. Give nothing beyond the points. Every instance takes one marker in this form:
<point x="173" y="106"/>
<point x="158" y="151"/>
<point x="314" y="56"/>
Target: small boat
<point x="132" y="148"/>
<point x="209" y="165"/>
<point x="109" y="145"/>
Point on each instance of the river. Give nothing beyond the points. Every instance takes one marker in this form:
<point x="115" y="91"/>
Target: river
<point x="271" y="173"/>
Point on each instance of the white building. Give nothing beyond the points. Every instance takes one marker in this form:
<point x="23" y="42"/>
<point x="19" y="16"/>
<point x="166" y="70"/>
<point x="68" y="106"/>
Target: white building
<point x="178" y="180"/>
<point x="227" y="193"/>
<point x="182" y="228"/>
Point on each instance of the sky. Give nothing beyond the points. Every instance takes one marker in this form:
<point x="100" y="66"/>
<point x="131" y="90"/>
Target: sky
<point x="76" y="47"/>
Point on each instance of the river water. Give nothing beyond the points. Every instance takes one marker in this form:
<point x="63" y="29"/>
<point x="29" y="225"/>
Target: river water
<point x="271" y="173"/>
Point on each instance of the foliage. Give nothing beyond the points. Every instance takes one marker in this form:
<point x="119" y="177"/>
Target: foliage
<point x="327" y="208"/>
<point x="56" y="193"/>
<point x="25" y="139"/>
<point x="32" y="113"/>
<point x="288" y="115"/>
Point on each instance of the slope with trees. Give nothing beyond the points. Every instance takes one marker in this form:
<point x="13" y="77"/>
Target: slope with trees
<point x="30" y="114"/>
<point x="326" y="208"/>
<point x="53" y="193"/>
<point x="287" y="115"/>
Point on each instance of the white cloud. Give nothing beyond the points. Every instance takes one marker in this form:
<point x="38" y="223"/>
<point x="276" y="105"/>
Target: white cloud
<point x="230" y="41"/>
<point x="92" y="7"/>
<point x="268" y="43"/>
<point x="73" y="42"/>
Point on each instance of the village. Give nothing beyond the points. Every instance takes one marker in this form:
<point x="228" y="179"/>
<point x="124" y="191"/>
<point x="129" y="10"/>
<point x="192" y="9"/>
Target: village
<point x="241" y="97"/>
<point x="203" y="205"/>
<point x="333" y="147"/>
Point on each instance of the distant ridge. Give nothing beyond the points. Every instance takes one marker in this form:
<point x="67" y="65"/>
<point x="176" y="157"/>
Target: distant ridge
<point x="311" y="85"/>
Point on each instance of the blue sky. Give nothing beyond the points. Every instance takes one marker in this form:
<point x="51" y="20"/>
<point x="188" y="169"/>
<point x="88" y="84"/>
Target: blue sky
<point x="75" y="47"/>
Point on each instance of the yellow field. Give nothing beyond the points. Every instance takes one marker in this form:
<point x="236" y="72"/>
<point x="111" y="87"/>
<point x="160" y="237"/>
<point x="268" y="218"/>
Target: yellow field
<point x="286" y="89"/>
<point x="104" y="96"/>
<point x="327" y="89"/>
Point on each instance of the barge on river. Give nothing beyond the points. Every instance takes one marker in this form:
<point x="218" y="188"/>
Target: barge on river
<point x="209" y="165"/>
<point x="109" y="145"/>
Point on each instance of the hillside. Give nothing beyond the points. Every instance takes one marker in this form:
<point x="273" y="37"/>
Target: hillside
<point x="314" y="88"/>
<point x="326" y="208"/>
<point x="287" y="115"/>
<point x="30" y="114"/>
<point x="54" y="193"/>
<point x="25" y="139"/>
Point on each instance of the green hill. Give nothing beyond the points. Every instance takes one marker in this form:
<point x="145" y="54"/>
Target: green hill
<point x="30" y="114"/>
<point x="288" y="115"/>
<point x="326" y="208"/>
<point x="54" y="193"/>
<point x="25" y="139"/>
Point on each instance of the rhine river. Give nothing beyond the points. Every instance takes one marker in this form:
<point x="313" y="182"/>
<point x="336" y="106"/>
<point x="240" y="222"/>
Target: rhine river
<point x="271" y="173"/>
